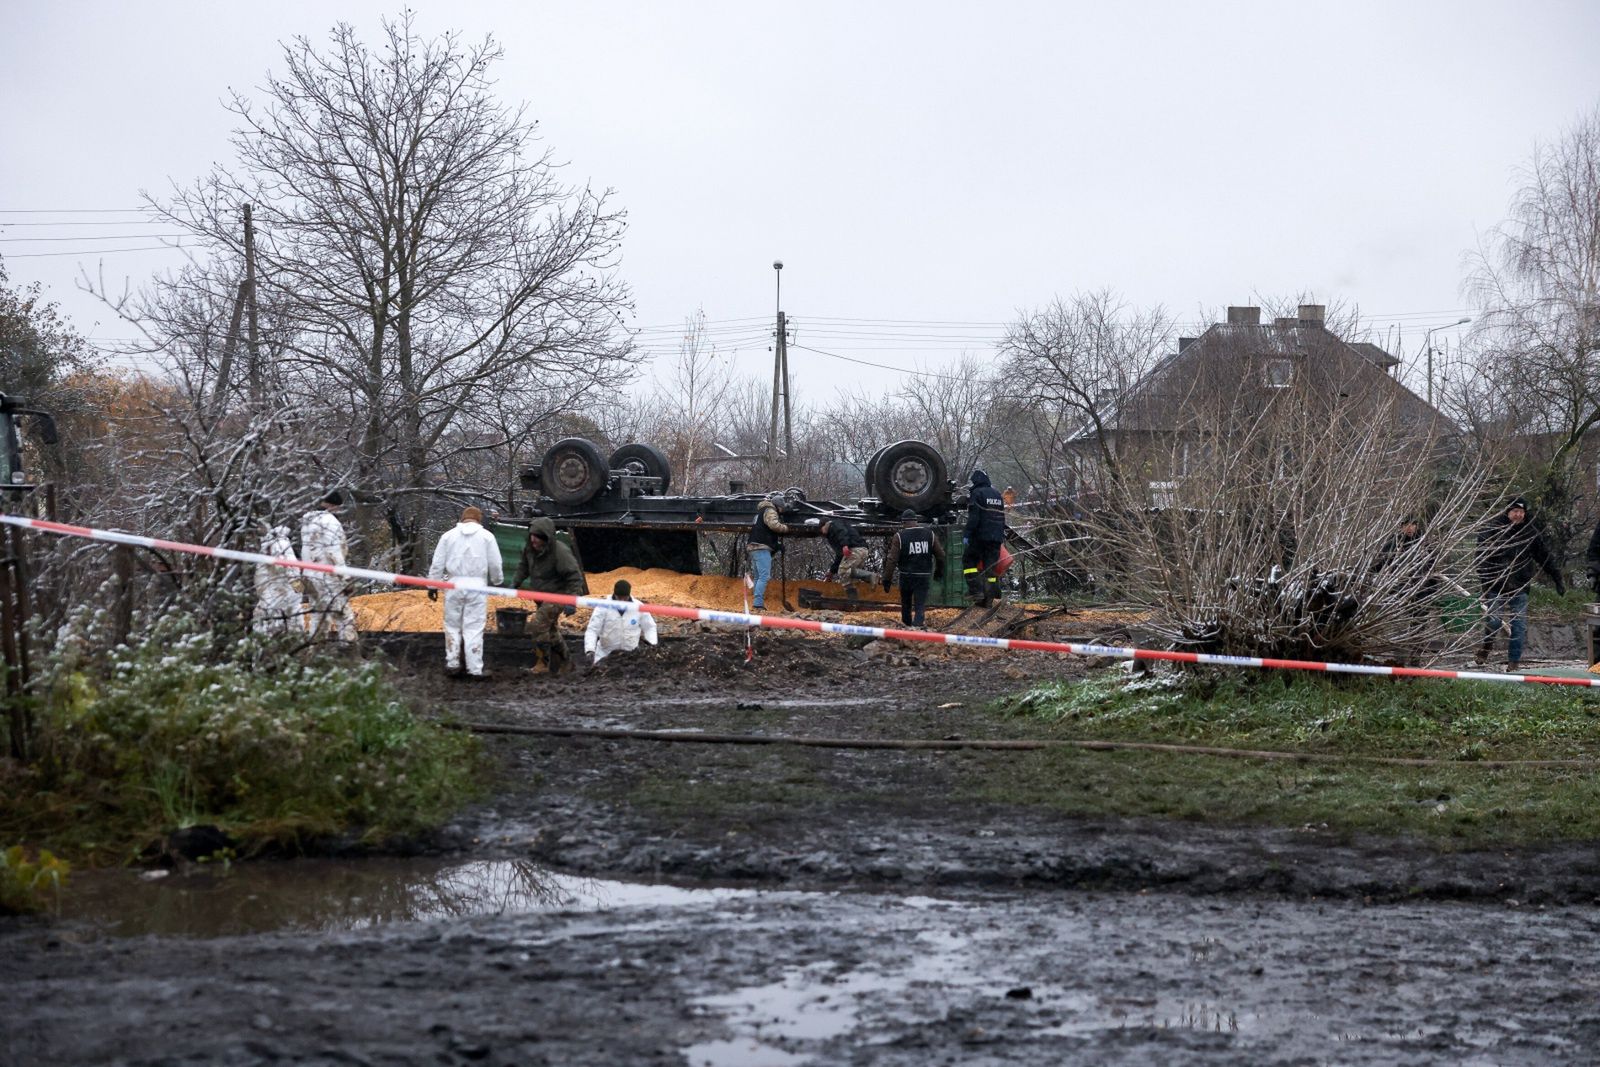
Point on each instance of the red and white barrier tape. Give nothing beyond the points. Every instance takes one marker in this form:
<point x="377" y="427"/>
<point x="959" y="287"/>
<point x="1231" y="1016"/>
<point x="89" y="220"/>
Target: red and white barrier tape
<point x="735" y="618"/>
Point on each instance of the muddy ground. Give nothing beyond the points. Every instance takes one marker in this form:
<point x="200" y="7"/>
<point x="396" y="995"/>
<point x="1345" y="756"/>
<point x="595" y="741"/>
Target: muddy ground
<point x="878" y="914"/>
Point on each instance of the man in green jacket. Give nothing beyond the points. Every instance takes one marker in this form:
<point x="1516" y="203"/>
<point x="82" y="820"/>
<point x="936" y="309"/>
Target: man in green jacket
<point x="548" y="566"/>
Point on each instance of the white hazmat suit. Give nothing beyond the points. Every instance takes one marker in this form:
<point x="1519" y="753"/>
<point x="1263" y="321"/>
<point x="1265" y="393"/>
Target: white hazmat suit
<point x="277" y="597"/>
<point x="322" y="541"/>
<point x="468" y="554"/>
<point x="618" y="629"/>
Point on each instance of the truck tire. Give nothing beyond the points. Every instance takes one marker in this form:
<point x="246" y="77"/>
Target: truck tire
<point x="911" y="474"/>
<point x="573" y="471"/>
<point x="647" y="460"/>
<point x="871" y="471"/>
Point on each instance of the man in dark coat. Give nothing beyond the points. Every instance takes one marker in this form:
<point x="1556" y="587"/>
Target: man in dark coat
<point x="849" y="557"/>
<point x="1592" y="558"/>
<point x="920" y="557"/>
<point x="1510" y="553"/>
<point x="986" y="530"/>
<point x="548" y="566"/>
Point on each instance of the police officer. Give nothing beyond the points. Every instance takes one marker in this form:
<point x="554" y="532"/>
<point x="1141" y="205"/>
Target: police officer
<point x="920" y="557"/>
<point x="986" y="529"/>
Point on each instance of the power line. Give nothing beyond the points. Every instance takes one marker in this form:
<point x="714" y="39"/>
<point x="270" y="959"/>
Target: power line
<point x="75" y="210"/>
<point x="94" y="251"/>
<point x="884" y="366"/>
<point x="94" y="222"/>
<point x="103" y="237"/>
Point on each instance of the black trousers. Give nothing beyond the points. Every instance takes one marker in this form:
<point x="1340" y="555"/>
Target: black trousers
<point x="913" y="597"/>
<point x="978" y="561"/>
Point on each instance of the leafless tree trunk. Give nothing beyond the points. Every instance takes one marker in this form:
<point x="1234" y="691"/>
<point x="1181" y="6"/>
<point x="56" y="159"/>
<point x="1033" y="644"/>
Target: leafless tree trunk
<point x="423" y="257"/>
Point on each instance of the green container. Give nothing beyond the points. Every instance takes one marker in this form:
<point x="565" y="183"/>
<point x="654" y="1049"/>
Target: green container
<point x="511" y="537"/>
<point x="952" y="591"/>
<point x="1460" y="613"/>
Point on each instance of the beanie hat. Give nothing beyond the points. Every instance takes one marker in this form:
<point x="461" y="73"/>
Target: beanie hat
<point x="334" y="497"/>
<point x="908" y="515"/>
<point x="1517" y="502"/>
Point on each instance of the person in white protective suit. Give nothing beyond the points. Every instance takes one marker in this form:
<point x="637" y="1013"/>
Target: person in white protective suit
<point x="277" y="594"/>
<point x="322" y="541"/>
<point x="618" y="628"/>
<point x="469" y="555"/>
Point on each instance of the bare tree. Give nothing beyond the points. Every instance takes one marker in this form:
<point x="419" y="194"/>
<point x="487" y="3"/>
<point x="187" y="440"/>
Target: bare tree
<point x="1536" y="337"/>
<point x="1075" y="357"/>
<point x="952" y="411"/>
<point x="1277" y="534"/>
<point x="689" y="406"/>
<point x="426" y="262"/>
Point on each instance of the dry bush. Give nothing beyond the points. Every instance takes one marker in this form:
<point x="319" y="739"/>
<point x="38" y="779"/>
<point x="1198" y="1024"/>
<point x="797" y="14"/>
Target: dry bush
<point x="1258" y="515"/>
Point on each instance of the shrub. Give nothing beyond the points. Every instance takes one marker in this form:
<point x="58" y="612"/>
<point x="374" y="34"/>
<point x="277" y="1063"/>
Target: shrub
<point x="185" y="728"/>
<point x="28" y="885"/>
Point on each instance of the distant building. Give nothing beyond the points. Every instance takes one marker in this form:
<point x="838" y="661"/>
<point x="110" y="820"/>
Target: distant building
<point x="1216" y="388"/>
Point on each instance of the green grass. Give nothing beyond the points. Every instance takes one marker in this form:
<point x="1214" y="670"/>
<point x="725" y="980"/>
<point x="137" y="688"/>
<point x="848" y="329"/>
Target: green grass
<point x="187" y="729"/>
<point x="1460" y="723"/>
<point x="1469" y="806"/>
<point x="1543" y="600"/>
<point x="1305" y="713"/>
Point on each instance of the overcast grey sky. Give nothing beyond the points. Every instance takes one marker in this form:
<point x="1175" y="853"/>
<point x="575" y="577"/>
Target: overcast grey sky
<point x="935" y="166"/>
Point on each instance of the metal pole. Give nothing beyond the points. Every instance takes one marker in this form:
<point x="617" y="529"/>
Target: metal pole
<point x="783" y="349"/>
<point x="16" y="706"/>
<point x="19" y="568"/>
<point x="1427" y="343"/>
<point x="777" y="372"/>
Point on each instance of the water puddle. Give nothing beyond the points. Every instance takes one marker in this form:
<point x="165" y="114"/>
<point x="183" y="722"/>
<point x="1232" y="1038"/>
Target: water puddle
<point x="334" y="895"/>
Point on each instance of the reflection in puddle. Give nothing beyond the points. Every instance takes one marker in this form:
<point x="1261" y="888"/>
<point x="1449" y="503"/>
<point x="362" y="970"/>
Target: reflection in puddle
<point x="740" y="1054"/>
<point x="333" y="895"/>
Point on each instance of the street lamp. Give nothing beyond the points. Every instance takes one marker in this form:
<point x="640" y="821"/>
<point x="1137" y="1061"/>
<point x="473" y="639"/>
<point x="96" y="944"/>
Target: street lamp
<point x="1427" y="342"/>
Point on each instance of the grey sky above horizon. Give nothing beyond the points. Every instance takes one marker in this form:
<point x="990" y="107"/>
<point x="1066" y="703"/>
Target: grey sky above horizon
<point x="925" y="171"/>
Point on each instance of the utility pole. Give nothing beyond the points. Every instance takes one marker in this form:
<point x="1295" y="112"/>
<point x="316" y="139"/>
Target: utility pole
<point x="780" y="380"/>
<point x="254" y="339"/>
<point x="1427" y="343"/>
<point x="219" y="393"/>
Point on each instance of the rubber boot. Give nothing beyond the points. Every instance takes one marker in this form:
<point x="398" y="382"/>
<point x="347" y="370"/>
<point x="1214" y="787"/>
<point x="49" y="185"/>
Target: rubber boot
<point x="560" y="660"/>
<point x="1482" y="655"/>
<point x="541" y="656"/>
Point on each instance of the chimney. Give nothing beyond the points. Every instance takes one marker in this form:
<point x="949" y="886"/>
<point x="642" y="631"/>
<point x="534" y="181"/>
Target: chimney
<point x="1313" y="314"/>
<point x="1185" y="342"/>
<point x="1244" y="316"/>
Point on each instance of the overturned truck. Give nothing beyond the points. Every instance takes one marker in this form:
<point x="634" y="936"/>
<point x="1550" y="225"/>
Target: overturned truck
<point x="618" y="510"/>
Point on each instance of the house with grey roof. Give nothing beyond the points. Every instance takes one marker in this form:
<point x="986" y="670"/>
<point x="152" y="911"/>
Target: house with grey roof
<point x="1217" y="391"/>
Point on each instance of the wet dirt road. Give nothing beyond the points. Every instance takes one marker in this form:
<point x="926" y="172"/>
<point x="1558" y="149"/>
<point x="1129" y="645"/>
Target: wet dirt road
<point x="863" y="917"/>
<point x="612" y="974"/>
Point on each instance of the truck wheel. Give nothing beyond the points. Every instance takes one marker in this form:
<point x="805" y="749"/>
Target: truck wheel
<point x="573" y="471"/>
<point x="647" y="460"/>
<point x="911" y="474"/>
<point x="871" y="471"/>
